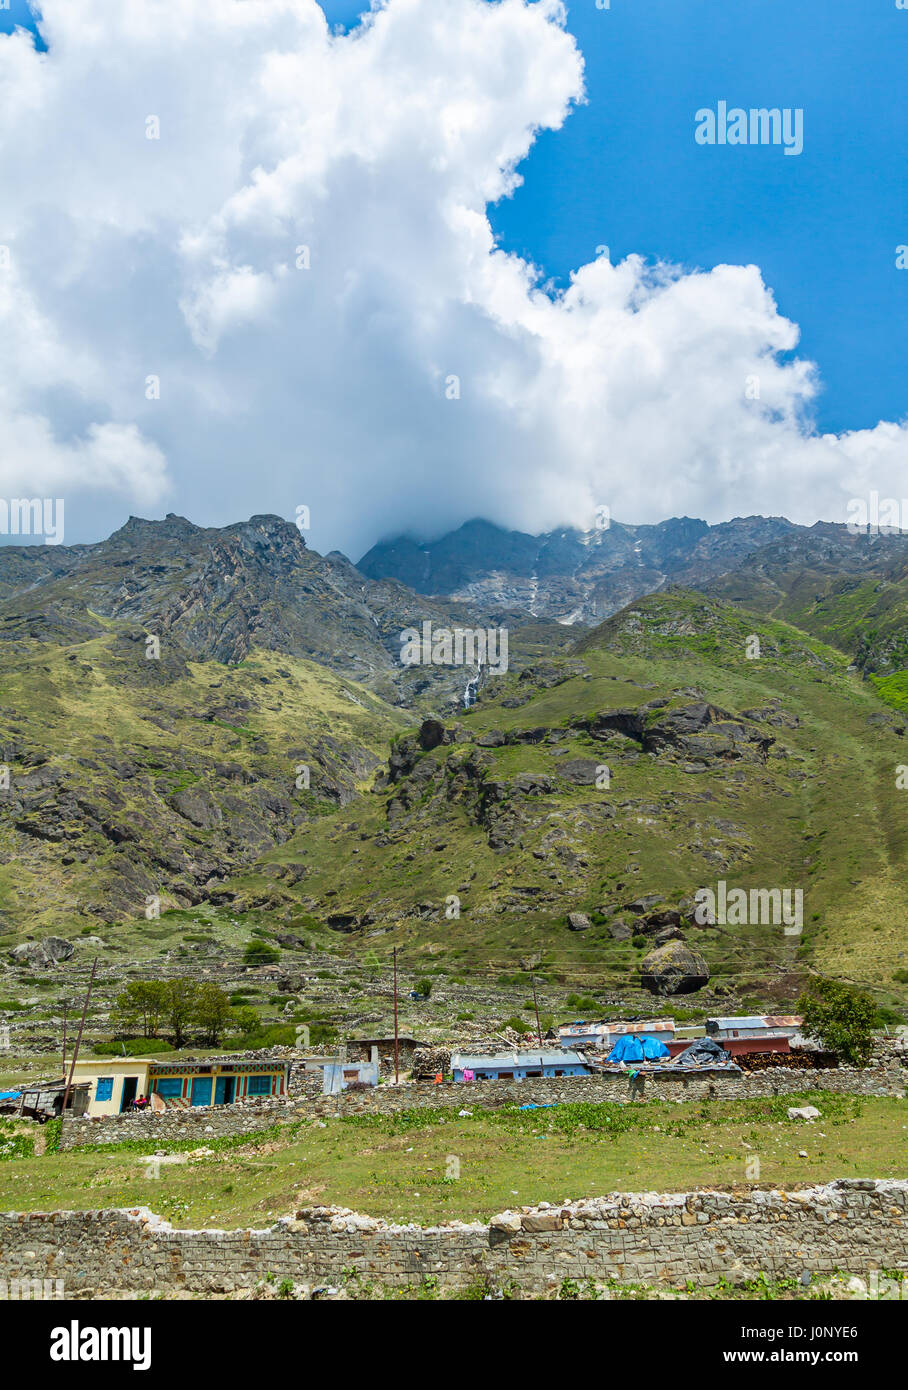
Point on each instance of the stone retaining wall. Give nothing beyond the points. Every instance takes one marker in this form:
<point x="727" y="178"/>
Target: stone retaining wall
<point x="851" y="1226"/>
<point x="216" y="1121"/>
<point x="199" y="1123"/>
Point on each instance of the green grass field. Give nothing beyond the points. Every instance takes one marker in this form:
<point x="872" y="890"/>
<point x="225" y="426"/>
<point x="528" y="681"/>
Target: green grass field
<point x="428" y="1166"/>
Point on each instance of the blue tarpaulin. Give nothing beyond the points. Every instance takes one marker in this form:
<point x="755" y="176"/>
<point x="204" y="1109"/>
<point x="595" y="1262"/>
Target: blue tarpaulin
<point x="10" y="1095"/>
<point x="630" y="1048"/>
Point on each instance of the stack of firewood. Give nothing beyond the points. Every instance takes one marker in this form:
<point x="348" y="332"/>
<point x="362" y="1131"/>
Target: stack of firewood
<point x="795" y="1061"/>
<point x="428" y="1061"/>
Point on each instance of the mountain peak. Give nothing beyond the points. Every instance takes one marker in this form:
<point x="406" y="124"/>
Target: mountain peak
<point x="566" y="574"/>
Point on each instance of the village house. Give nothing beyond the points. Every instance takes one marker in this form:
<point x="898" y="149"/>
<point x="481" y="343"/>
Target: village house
<point x="43" y="1100"/>
<point x="368" y="1049"/>
<point x="517" y="1066"/>
<point x="756" y="1033"/>
<point x="338" y="1074"/>
<point x="116" y="1082"/>
<point x="605" y="1034"/>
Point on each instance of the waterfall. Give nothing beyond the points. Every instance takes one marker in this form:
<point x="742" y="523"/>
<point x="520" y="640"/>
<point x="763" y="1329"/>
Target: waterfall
<point x="471" y="688"/>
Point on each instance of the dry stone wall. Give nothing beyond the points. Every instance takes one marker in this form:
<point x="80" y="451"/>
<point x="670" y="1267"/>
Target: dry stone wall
<point x="199" y="1123"/>
<point x="850" y="1226"/>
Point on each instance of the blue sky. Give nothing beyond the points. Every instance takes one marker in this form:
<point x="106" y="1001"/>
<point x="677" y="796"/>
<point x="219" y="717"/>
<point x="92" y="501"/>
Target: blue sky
<point x="823" y="227"/>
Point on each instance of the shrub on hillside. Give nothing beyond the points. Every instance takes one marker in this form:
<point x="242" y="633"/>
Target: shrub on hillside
<point x="258" y="952"/>
<point x="841" y="1018"/>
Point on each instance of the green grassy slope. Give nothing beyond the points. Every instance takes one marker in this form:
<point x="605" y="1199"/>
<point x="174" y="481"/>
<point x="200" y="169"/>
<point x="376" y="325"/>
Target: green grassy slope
<point x="176" y="778"/>
<point x="495" y="818"/>
<point x="865" y="616"/>
<point x="132" y="777"/>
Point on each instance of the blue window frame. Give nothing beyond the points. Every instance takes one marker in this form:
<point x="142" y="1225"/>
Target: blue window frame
<point x="105" y="1088"/>
<point x="259" y="1086"/>
<point x="169" y="1087"/>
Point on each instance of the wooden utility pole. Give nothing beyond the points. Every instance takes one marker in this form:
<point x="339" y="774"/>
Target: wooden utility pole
<point x="536" y="1007"/>
<point x="396" y="1070"/>
<point x="69" y="1082"/>
<point x="64" y="1037"/>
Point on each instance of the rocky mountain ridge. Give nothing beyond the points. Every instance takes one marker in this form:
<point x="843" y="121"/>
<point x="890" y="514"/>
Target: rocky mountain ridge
<point x="586" y="576"/>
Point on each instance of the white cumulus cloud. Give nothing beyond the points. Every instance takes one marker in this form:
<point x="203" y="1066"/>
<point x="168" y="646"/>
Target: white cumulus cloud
<point x="303" y="258"/>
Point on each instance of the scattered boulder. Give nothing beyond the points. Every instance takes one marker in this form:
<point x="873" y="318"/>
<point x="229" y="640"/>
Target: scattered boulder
<point x="431" y="734"/>
<point x="655" y="923"/>
<point x="641" y="905"/>
<point x="620" y="931"/>
<point x="530" y="784"/>
<point x="578" y="921"/>
<point x="803" y="1112"/>
<point x="670" y="918"/>
<point x="57" y="948"/>
<point x="342" y="921"/>
<point x="674" y="968"/>
<point x="583" y="772"/>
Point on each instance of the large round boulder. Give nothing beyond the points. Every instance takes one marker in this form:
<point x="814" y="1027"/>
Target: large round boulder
<point x="42" y="953"/>
<point x="673" y="969"/>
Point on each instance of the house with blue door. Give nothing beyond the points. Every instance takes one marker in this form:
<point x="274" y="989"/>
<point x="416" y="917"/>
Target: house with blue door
<point x="116" y="1084"/>
<point x="517" y="1066"/>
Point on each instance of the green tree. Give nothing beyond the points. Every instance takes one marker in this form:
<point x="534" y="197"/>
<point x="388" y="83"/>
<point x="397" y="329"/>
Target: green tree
<point x="142" y="1004"/>
<point x="182" y="1003"/>
<point x="212" y="1011"/>
<point x="841" y="1018"/>
<point x="244" y="1022"/>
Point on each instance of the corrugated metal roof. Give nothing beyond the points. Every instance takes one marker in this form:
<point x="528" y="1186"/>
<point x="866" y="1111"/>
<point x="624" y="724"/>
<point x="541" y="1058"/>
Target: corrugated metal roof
<point x="757" y="1021"/>
<point x="661" y="1025"/>
<point x="176" y="1064"/>
<point x="528" y="1057"/>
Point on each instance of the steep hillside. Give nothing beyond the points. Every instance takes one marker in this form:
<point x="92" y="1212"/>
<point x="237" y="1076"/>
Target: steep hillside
<point x="218" y="594"/>
<point x="774" y="772"/>
<point x="852" y="591"/>
<point x="131" y="778"/>
<point x="683" y="742"/>
<point x="163" y="693"/>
